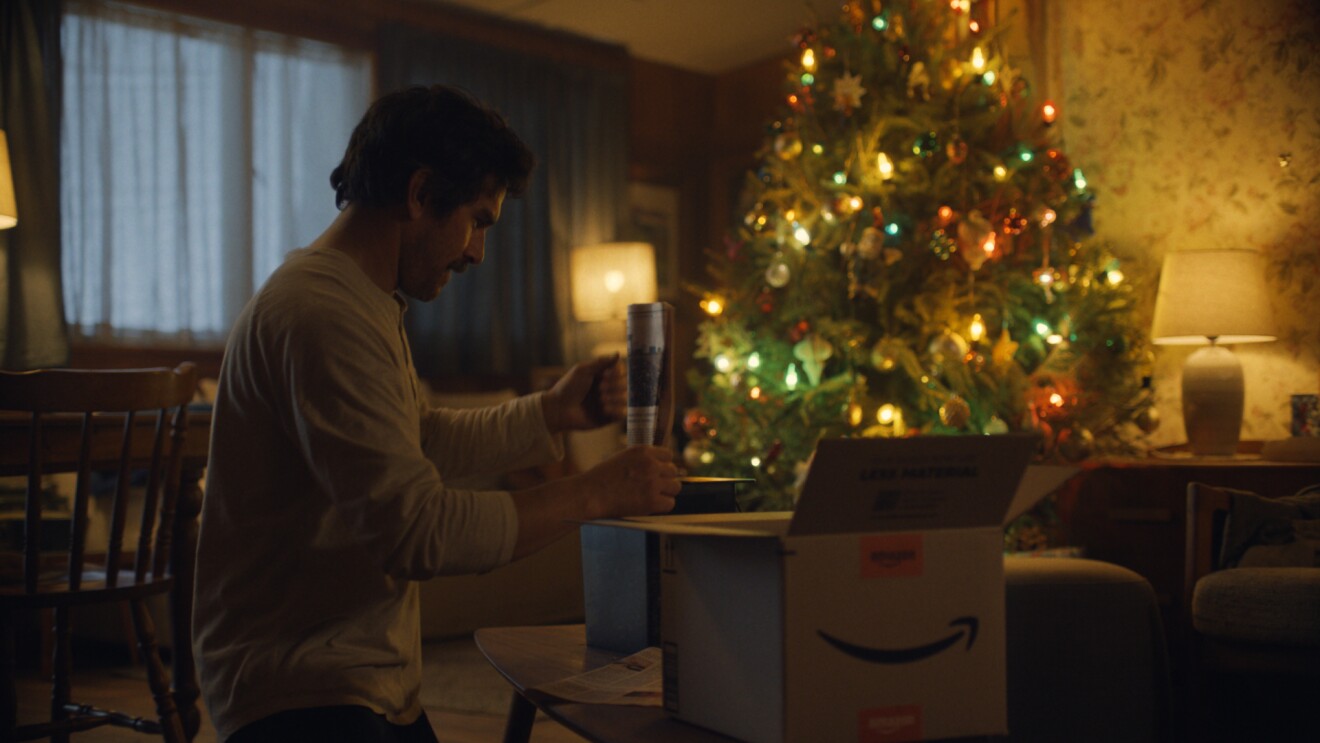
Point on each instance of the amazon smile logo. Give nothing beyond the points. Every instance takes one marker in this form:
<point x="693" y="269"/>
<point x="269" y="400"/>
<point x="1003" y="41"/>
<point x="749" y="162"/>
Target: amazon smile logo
<point x="967" y="626"/>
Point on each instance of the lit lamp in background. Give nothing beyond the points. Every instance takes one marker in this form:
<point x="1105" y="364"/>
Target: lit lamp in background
<point x="606" y="279"/>
<point x="1214" y="297"/>
<point x="8" y="206"/>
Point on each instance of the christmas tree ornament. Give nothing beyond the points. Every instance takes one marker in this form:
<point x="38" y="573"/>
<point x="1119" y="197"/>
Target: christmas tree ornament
<point x="799" y="330"/>
<point x="947" y="347"/>
<point x="1075" y="444"/>
<point x="696" y="424"/>
<point x="976" y="239"/>
<point x="918" y="82"/>
<point x="884" y="354"/>
<point x="788" y="145"/>
<point x="765" y="302"/>
<point x="1014" y="223"/>
<point x="813" y="351"/>
<point x="848" y="92"/>
<point x="1004" y="350"/>
<point x="778" y="273"/>
<point x="995" y="425"/>
<point x="956" y="150"/>
<point x="925" y="145"/>
<point x="871" y="244"/>
<point x="942" y="244"/>
<point x="1147" y="419"/>
<point x="955" y="412"/>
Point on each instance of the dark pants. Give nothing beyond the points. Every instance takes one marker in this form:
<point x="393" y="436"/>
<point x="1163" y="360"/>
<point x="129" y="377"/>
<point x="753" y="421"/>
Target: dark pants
<point x="342" y="724"/>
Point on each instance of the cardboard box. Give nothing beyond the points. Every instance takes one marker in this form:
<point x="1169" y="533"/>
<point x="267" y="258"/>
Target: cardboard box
<point x="874" y="612"/>
<point x="621" y="569"/>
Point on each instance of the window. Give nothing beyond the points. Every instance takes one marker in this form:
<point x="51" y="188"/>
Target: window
<point x="194" y="156"/>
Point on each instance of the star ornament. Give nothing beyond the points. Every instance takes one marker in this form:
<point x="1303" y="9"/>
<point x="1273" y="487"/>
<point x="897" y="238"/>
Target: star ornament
<point x="848" y="92"/>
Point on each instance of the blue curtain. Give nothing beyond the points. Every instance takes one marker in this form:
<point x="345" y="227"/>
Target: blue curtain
<point x="512" y="313"/>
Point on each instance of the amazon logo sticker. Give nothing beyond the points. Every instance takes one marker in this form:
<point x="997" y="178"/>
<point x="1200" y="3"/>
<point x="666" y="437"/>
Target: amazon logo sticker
<point x="966" y="627"/>
<point x="889" y="724"/>
<point x="892" y="555"/>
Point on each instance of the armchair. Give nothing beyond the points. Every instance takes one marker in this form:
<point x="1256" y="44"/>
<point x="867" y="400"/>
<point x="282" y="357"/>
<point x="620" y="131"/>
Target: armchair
<point x="1253" y="599"/>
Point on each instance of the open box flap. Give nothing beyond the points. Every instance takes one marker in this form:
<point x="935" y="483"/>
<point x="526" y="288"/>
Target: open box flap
<point x="1037" y="482"/>
<point x="914" y="484"/>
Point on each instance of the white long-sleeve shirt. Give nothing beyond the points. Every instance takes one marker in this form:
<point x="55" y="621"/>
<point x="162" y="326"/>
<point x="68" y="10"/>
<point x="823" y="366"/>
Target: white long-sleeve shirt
<point x="324" y="500"/>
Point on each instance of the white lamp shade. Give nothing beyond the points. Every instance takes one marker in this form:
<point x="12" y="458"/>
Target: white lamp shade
<point x="8" y="207"/>
<point x="609" y="277"/>
<point x="1217" y="294"/>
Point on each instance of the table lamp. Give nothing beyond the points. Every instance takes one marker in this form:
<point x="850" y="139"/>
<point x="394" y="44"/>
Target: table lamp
<point x="1215" y="297"/>
<point x="606" y="278"/>
<point x="8" y="207"/>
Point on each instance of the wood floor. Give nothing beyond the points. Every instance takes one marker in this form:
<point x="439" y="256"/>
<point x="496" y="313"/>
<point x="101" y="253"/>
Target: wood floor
<point x="119" y="689"/>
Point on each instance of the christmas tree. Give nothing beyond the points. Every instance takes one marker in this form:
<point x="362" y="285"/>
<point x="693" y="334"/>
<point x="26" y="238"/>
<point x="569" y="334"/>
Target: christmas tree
<point x="911" y="260"/>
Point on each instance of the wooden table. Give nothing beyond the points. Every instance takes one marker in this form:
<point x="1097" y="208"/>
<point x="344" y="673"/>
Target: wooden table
<point x="61" y="436"/>
<point x="531" y="656"/>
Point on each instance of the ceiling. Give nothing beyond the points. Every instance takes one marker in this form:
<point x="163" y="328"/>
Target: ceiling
<point x="709" y="36"/>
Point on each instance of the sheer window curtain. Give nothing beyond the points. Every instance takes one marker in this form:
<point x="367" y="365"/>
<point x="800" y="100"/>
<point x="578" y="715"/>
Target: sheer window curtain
<point x="512" y="313"/>
<point x="195" y="156"/>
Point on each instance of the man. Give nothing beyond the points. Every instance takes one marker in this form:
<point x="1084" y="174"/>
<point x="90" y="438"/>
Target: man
<point x="325" y="495"/>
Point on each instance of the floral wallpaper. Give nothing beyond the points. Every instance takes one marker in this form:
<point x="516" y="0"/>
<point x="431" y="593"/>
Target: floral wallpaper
<point x="1197" y="122"/>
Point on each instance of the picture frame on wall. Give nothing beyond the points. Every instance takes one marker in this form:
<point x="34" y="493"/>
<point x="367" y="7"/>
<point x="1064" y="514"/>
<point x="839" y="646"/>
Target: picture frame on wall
<point x="651" y="216"/>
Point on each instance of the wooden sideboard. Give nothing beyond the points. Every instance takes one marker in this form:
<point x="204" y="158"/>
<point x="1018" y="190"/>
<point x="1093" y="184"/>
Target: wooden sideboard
<point x="1132" y="511"/>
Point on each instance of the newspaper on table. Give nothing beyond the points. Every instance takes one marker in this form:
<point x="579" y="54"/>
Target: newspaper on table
<point x="650" y="373"/>
<point x="635" y="680"/>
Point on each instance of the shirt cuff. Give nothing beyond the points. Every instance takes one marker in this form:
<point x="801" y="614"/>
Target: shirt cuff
<point x="510" y="542"/>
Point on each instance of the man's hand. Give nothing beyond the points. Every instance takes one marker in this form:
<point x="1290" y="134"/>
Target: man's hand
<point x="638" y="481"/>
<point x="590" y="395"/>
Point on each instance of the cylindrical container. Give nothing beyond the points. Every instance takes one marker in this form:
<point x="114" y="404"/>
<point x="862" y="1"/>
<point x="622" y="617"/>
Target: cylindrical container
<point x="646" y="352"/>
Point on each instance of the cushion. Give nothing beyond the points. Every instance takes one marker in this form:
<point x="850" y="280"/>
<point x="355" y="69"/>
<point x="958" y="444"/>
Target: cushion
<point x="1254" y="520"/>
<point x="1259" y="605"/>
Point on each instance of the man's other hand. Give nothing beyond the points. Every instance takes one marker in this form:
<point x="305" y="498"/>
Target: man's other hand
<point x="591" y="394"/>
<point x="638" y="481"/>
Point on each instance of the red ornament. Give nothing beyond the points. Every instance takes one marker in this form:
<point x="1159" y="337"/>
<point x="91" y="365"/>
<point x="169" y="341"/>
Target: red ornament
<point x="696" y="424"/>
<point x="766" y="301"/>
<point x="799" y="331"/>
<point x="1014" y="223"/>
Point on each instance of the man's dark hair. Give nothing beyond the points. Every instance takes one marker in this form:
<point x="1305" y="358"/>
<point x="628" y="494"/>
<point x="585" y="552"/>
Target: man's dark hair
<point x="466" y="146"/>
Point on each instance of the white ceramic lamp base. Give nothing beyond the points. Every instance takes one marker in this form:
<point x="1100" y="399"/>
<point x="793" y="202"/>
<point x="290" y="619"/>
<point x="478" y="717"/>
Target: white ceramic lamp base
<point x="1212" y="394"/>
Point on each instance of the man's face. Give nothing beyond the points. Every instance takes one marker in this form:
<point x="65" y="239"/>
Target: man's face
<point x="439" y="246"/>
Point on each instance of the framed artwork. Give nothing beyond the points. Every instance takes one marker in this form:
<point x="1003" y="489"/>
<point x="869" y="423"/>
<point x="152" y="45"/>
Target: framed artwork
<point x="652" y="216"/>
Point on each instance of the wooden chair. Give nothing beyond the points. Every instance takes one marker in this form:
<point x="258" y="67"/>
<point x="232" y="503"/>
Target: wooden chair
<point x="1242" y="661"/>
<point x="132" y="423"/>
